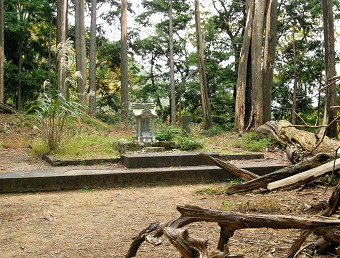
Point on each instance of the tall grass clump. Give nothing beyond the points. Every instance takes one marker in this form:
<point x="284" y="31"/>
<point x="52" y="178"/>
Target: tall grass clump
<point x="53" y="108"/>
<point x="53" y="111"/>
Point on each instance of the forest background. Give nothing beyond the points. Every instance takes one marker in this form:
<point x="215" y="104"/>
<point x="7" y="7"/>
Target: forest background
<point x="30" y="39"/>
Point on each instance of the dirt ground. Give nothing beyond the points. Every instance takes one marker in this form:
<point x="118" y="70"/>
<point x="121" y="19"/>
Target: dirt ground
<point x="101" y="223"/>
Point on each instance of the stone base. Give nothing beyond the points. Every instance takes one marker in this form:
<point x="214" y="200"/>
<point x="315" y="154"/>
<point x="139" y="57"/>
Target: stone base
<point x="124" y="146"/>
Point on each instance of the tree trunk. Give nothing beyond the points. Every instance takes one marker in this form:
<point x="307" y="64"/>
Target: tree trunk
<point x="328" y="21"/>
<point x="256" y="118"/>
<point x="2" y="45"/>
<point x="295" y="80"/>
<point x="242" y="108"/>
<point x="93" y="45"/>
<point x="80" y="50"/>
<point x="269" y="58"/>
<point x="172" y="72"/>
<point x="61" y="37"/>
<point x="207" y="120"/>
<point x="19" y="100"/>
<point x="124" y="64"/>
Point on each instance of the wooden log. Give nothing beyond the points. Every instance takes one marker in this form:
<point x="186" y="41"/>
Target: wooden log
<point x="154" y="229"/>
<point x="263" y="181"/>
<point x="230" y="168"/>
<point x="331" y="207"/>
<point x="7" y="108"/>
<point x="306" y="140"/>
<point x="306" y="176"/>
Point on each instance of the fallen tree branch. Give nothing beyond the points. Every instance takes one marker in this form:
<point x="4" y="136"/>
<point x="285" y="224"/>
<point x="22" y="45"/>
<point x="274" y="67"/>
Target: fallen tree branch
<point x="331" y="207"/>
<point x="230" y="168"/>
<point x="230" y="222"/>
<point x="306" y="176"/>
<point x="263" y="181"/>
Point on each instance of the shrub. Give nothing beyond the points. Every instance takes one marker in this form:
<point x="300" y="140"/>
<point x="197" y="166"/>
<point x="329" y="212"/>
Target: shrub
<point x="188" y="142"/>
<point x="253" y="142"/>
<point x="167" y="134"/>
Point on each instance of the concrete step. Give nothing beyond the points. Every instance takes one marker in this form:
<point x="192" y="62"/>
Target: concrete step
<point x="176" y="159"/>
<point x="70" y="178"/>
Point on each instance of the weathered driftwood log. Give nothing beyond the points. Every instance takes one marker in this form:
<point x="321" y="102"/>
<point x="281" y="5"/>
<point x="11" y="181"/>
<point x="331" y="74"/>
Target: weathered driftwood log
<point x="299" y="144"/>
<point x="306" y="176"/>
<point x="230" y="221"/>
<point x="230" y="168"/>
<point x="332" y="206"/>
<point x="308" y="141"/>
<point x="153" y="230"/>
<point x="263" y="181"/>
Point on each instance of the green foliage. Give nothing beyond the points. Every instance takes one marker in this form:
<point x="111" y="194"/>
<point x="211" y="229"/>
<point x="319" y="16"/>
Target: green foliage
<point x="167" y="133"/>
<point x="215" y="130"/>
<point x="187" y="142"/>
<point x="53" y="109"/>
<point x="253" y="142"/>
<point x="87" y="146"/>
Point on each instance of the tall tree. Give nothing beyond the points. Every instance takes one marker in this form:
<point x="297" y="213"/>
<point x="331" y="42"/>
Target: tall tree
<point x="269" y="58"/>
<point x="249" y="108"/>
<point x="207" y="119"/>
<point x="328" y="22"/>
<point x="124" y="64"/>
<point x="93" y="44"/>
<point x="172" y="70"/>
<point x="2" y="56"/>
<point x="80" y="50"/>
<point x="62" y="6"/>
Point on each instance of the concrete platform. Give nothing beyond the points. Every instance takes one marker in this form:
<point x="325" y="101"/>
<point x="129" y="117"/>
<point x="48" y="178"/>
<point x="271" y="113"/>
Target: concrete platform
<point x="175" y="159"/>
<point x="69" y="178"/>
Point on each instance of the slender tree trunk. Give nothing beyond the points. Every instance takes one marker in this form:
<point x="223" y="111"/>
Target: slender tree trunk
<point x="172" y="72"/>
<point x="93" y="44"/>
<point x="242" y="108"/>
<point x="2" y="45"/>
<point x="207" y="120"/>
<point x="269" y="58"/>
<point x="295" y="85"/>
<point x="80" y="50"/>
<point x="61" y="37"/>
<point x="328" y="21"/>
<point x="124" y="64"/>
<point x="19" y="100"/>
<point x="256" y="56"/>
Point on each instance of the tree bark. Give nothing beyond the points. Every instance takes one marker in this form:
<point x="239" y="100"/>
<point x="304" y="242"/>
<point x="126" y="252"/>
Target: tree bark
<point x="172" y="72"/>
<point x="93" y="45"/>
<point x="295" y="85"/>
<point x="124" y="64"/>
<point x="61" y="37"/>
<point x="256" y="118"/>
<point x="80" y="50"/>
<point x="328" y="21"/>
<point x="207" y="119"/>
<point x="2" y="47"/>
<point x="269" y="58"/>
<point x="242" y="108"/>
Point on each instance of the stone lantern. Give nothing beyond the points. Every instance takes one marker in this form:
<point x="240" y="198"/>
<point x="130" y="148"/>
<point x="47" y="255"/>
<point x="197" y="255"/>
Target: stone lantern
<point x="144" y="114"/>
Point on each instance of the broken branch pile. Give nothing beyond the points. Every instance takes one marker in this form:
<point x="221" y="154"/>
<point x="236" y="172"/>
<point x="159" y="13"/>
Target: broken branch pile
<point x="229" y="222"/>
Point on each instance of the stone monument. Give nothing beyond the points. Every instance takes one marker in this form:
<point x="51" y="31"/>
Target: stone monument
<point x="145" y="115"/>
